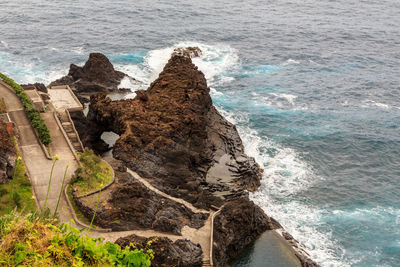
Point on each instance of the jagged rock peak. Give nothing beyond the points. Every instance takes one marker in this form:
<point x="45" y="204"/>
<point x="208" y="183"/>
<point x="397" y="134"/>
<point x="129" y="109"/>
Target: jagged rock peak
<point x="97" y="68"/>
<point x="97" y="75"/>
<point x="190" y="51"/>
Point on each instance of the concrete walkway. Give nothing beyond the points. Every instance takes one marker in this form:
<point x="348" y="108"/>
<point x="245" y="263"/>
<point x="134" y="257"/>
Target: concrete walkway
<point x="38" y="165"/>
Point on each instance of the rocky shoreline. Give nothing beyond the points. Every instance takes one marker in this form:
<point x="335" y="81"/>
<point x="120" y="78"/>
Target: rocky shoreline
<point x="172" y="136"/>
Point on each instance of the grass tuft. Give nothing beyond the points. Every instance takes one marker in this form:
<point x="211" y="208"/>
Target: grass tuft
<point x="93" y="174"/>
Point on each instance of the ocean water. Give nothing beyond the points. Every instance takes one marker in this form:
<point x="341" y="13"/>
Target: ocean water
<point x="313" y="87"/>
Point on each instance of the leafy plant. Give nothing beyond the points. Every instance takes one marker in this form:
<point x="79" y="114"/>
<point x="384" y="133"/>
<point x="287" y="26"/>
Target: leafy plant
<point x="30" y="241"/>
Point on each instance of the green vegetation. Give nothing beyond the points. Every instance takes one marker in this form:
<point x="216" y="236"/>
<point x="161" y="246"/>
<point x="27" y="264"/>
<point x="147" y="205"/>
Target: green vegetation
<point x="78" y="212"/>
<point x="26" y="240"/>
<point x="93" y="174"/>
<point x="32" y="113"/>
<point x="3" y="107"/>
<point x="17" y="194"/>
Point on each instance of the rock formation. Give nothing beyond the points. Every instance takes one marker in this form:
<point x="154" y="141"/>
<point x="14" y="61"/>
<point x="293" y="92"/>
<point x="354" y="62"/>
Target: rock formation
<point x="238" y="224"/>
<point x="97" y="75"/>
<point x="8" y="155"/>
<point x="129" y="205"/>
<point x="173" y="134"/>
<point x="174" y="137"/>
<point x="167" y="253"/>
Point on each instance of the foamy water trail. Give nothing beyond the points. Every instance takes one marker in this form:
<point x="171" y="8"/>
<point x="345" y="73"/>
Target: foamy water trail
<point x="215" y="62"/>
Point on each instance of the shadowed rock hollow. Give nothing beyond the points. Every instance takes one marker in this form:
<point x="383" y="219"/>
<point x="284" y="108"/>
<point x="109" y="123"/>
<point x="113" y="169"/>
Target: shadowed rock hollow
<point x="173" y="135"/>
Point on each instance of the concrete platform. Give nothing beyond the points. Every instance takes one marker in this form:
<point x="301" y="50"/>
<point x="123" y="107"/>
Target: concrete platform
<point x="63" y="98"/>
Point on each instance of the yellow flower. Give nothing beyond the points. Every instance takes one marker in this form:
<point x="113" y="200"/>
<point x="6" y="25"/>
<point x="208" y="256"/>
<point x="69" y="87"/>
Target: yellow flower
<point x="19" y="158"/>
<point x="67" y="164"/>
<point x="56" y="157"/>
<point x="33" y="197"/>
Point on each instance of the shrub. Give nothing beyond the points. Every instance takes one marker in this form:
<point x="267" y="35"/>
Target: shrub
<point x="32" y="113"/>
<point x="30" y="241"/>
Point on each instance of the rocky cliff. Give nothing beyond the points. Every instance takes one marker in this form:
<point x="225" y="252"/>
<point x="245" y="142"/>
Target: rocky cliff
<point x="7" y="155"/>
<point x="173" y="134"/>
<point x="230" y="235"/>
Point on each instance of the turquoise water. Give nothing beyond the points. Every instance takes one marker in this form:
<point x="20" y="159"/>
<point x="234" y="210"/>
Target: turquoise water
<point x="312" y="85"/>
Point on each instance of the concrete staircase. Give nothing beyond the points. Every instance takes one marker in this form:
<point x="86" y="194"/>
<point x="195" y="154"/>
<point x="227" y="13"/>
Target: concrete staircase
<point x="69" y="128"/>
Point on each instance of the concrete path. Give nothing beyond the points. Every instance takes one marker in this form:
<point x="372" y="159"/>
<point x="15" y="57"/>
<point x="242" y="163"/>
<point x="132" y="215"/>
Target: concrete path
<point x="152" y="188"/>
<point x="38" y="166"/>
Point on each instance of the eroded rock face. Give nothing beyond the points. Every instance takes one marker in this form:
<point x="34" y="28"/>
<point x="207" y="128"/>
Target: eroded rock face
<point x="173" y="134"/>
<point x="129" y="205"/>
<point x="238" y="224"/>
<point x="97" y="75"/>
<point x="191" y="51"/>
<point x="8" y="155"/>
<point x="167" y="253"/>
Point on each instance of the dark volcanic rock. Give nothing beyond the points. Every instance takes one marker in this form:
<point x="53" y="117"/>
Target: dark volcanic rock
<point x="131" y="205"/>
<point x="97" y="75"/>
<point x="238" y="224"/>
<point x="89" y="132"/>
<point x="172" y="133"/>
<point x="39" y="86"/>
<point x="191" y="51"/>
<point x="8" y="155"/>
<point x="166" y="252"/>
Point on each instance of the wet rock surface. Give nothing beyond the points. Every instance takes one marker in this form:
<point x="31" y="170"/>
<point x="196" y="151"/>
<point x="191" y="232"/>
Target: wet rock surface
<point x="130" y="205"/>
<point x="237" y="225"/>
<point x="167" y="253"/>
<point x="191" y="51"/>
<point x="173" y="134"/>
<point x="97" y="75"/>
<point x="8" y="155"/>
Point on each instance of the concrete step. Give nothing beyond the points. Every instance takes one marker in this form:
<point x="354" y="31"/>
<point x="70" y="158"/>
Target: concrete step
<point x="71" y="135"/>
<point x="63" y="117"/>
<point x="67" y="126"/>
